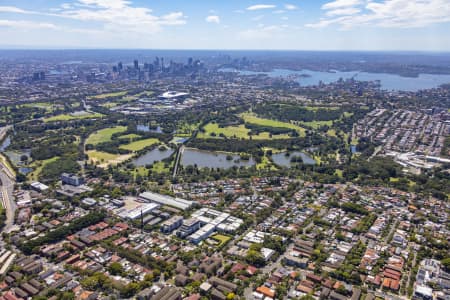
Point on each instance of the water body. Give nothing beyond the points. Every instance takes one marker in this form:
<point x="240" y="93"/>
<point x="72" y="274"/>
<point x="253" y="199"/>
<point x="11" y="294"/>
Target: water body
<point x="152" y="156"/>
<point x="15" y="156"/>
<point x="25" y="170"/>
<point x="387" y="81"/>
<point x="285" y="161"/>
<point x="5" y="144"/>
<point x="146" y="128"/>
<point x="212" y="159"/>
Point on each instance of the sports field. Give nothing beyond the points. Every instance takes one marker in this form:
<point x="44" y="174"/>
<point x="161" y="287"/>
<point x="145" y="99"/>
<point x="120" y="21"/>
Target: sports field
<point x="104" y="135"/>
<point x="139" y="145"/>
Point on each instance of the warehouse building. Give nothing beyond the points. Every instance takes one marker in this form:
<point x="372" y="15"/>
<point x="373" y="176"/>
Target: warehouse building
<point x="166" y="200"/>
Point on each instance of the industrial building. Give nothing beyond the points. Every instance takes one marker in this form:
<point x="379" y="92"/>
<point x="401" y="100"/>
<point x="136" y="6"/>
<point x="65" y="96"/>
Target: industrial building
<point x="136" y="212"/>
<point x="166" y="200"/>
<point x="6" y="260"/>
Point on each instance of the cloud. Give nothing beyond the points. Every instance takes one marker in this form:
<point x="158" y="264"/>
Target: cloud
<point x="16" y="10"/>
<point x="27" y="25"/>
<point x="106" y="3"/>
<point x="343" y="11"/>
<point x="290" y="7"/>
<point x="261" y="32"/>
<point x="116" y="16"/>
<point x="119" y="15"/>
<point x="349" y="14"/>
<point x="258" y="18"/>
<point x="340" y="4"/>
<point x="261" y="6"/>
<point x="213" y="19"/>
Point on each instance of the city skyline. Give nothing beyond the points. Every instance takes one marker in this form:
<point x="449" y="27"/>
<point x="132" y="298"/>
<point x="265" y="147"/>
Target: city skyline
<point x="387" y="25"/>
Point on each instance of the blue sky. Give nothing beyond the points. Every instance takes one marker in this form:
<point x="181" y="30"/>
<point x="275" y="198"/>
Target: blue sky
<point x="227" y="24"/>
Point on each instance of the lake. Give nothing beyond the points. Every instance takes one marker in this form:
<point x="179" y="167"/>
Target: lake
<point x="152" y="156"/>
<point x="5" y="144"/>
<point x="15" y="156"/>
<point x="212" y="159"/>
<point x="387" y="81"/>
<point x="146" y="128"/>
<point x="285" y="161"/>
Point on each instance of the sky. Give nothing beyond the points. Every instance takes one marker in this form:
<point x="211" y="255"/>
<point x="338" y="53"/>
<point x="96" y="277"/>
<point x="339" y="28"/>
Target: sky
<point x="386" y="25"/>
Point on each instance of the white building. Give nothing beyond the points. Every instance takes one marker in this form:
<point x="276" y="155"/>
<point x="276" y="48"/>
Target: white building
<point x="166" y="200"/>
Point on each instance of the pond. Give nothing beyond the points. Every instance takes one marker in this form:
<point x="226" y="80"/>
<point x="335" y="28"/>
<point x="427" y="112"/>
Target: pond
<point x="5" y="144"/>
<point x="25" y="170"/>
<point x="152" y="156"/>
<point x="146" y="128"/>
<point x="284" y="160"/>
<point x="212" y="159"/>
<point x="15" y="156"/>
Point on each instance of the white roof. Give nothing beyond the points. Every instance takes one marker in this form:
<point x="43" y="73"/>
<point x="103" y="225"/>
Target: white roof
<point x="166" y="200"/>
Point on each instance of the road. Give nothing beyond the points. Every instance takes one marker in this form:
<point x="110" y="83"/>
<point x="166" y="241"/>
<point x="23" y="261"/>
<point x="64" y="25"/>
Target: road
<point x="177" y="162"/>
<point x="377" y="150"/>
<point x="391" y="231"/>
<point x="410" y="271"/>
<point x="7" y="182"/>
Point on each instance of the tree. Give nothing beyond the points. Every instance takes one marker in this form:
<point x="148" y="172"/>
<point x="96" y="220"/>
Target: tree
<point x="129" y="290"/>
<point x="116" y="268"/>
<point x="67" y="296"/>
<point x="254" y="258"/>
<point x="446" y="264"/>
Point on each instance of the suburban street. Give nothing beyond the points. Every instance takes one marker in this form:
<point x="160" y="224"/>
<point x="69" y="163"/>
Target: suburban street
<point x="7" y="187"/>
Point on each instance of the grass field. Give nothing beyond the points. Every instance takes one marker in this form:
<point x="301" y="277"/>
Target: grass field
<point x="69" y="117"/>
<point x="223" y="239"/>
<point x="6" y="164"/>
<point x="104" y="159"/>
<point x="253" y="119"/>
<point x="229" y="131"/>
<point x="104" y="135"/>
<point x="131" y="136"/>
<point x="331" y="132"/>
<point x="265" y="163"/>
<point x="43" y="105"/>
<point x="186" y="129"/>
<point x="139" y="145"/>
<point x="316" y="108"/>
<point x="239" y="132"/>
<point x="108" y="95"/>
<point x="317" y="124"/>
<point x="159" y="167"/>
<point x="98" y="156"/>
<point x="109" y="104"/>
<point x="38" y="166"/>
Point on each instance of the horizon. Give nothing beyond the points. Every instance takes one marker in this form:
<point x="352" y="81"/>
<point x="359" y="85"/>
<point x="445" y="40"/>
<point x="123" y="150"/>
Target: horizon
<point x="220" y="49"/>
<point x="292" y="25"/>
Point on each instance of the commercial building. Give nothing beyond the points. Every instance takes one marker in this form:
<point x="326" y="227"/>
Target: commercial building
<point x="189" y="226"/>
<point x="71" y="179"/>
<point x="202" y="234"/>
<point x="206" y="221"/>
<point x="171" y="224"/>
<point x="40" y="187"/>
